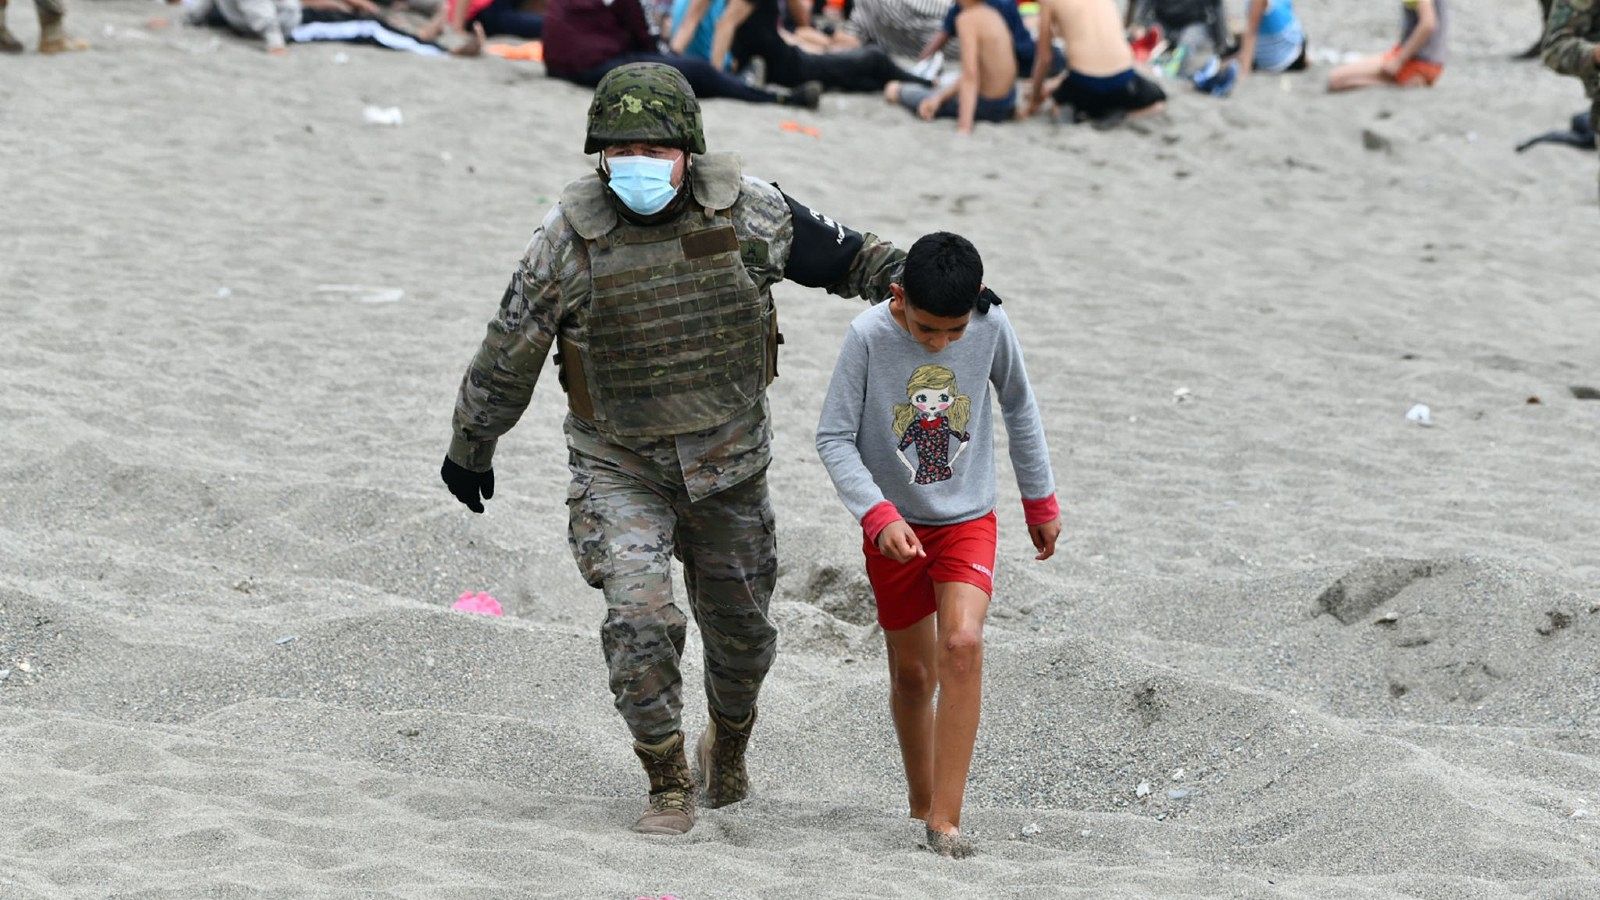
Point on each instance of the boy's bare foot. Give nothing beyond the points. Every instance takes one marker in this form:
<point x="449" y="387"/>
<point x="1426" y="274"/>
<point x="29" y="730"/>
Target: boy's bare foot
<point x="891" y="92"/>
<point x="949" y="843"/>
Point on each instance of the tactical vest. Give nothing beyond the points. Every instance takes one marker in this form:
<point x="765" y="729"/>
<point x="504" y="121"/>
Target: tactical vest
<point x="677" y="337"/>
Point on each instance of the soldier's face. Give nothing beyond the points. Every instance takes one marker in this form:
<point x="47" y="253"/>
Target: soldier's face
<point x="654" y="151"/>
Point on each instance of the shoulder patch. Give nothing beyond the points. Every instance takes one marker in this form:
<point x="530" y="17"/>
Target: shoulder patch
<point x="754" y="253"/>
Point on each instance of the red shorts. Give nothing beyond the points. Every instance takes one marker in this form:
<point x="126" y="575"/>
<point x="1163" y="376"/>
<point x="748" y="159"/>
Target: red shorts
<point x="961" y="552"/>
<point x="1415" y="71"/>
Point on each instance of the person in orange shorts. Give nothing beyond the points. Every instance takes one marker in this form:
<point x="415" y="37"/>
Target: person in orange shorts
<point x="1418" y="60"/>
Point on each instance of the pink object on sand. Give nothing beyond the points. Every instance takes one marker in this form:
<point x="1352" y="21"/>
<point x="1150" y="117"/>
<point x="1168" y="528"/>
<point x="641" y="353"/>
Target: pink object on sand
<point x="479" y="602"/>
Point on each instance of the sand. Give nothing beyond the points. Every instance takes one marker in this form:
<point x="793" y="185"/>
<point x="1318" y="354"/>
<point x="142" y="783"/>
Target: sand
<point x="1349" y="656"/>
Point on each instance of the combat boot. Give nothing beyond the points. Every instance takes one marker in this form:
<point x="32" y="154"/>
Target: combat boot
<point x="723" y="778"/>
<point x="671" y="809"/>
<point x="8" y="41"/>
<point x="53" y="38"/>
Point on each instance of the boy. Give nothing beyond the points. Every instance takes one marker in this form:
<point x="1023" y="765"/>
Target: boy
<point x="1101" y="85"/>
<point x="1022" y="42"/>
<point x="914" y="375"/>
<point x="1417" y="60"/>
<point x="987" y="86"/>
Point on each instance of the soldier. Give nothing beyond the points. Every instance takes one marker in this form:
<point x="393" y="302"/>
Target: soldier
<point x="652" y="277"/>
<point x="1571" y="33"/>
<point x="53" y="38"/>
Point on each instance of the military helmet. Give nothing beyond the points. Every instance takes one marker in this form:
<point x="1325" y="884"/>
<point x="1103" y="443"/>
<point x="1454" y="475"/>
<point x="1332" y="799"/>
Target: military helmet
<point x="648" y="102"/>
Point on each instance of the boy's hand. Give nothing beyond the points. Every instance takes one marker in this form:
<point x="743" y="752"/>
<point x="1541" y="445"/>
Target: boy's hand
<point x="1044" y="537"/>
<point x="898" y="542"/>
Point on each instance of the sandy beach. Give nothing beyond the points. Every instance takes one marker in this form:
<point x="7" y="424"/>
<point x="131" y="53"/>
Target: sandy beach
<point x="1294" y="645"/>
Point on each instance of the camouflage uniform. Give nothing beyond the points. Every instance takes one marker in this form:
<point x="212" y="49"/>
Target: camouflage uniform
<point x="1570" y="34"/>
<point x="638" y="499"/>
<point x="50" y="12"/>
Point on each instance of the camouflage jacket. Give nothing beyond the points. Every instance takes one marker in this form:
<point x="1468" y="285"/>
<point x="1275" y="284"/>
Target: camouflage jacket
<point x="550" y="292"/>
<point x="1570" y="34"/>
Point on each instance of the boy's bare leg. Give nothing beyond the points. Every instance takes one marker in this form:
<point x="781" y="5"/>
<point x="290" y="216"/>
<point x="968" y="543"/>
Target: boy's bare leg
<point x="913" y="675"/>
<point x="1365" y="72"/>
<point x="962" y="608"/>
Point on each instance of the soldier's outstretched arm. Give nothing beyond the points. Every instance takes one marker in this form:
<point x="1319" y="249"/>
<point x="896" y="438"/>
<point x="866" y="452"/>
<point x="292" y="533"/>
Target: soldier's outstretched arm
<point x="826" y="254"/>
<point x="499" y="383"/>
<point x="1568" y="47"/>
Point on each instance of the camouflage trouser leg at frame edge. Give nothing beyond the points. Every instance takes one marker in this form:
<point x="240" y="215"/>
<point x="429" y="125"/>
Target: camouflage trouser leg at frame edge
<point x="623" y="531"/>
<point x="47" y="8"/>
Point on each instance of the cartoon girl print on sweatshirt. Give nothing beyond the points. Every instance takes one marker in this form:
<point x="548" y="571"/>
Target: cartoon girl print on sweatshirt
<point x="936" y="414"/>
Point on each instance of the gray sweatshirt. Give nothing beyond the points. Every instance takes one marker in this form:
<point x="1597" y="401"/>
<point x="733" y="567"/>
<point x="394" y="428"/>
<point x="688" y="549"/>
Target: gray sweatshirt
<point x="912" y="427"/>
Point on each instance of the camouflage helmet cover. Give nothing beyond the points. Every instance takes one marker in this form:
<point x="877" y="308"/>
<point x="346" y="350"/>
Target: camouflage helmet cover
<point x="647" y="102"/>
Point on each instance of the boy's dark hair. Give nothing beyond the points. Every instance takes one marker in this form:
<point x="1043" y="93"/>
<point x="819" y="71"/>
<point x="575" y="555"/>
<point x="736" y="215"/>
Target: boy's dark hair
<point x="943" y="276"/>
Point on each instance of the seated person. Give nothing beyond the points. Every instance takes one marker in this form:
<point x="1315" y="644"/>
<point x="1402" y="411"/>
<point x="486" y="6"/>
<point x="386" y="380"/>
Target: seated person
<point x="1273" y="39"/>
<point x="269" y="20"/>
<point x="1187" y="22"/>
<point x="750" y="30"/>
<point x="694" y="24"/>
<point x="492" y="17"/>
<point x="900" y="27"/>
<point x="1417" y="60"/>
<point x="585" y="39"/>
<point x="987" y="87"/>
<point x="1100" y="84"/>
<point x="365" y="22"/>
<point x="1021" y="37"/>
<point x="1190" y="35"/>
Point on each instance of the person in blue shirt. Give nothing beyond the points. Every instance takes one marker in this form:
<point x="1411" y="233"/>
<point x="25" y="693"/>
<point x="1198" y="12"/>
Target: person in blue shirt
<point x="694" y="22"/>
<point x="1273" y="39"/>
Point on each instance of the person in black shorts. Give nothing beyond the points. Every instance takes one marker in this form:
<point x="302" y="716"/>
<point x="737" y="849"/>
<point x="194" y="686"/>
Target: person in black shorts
<point x="1106" y="100"/>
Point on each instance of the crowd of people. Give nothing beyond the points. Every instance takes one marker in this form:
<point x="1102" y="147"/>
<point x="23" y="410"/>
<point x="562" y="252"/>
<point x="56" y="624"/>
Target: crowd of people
<point x="940" y="59"/>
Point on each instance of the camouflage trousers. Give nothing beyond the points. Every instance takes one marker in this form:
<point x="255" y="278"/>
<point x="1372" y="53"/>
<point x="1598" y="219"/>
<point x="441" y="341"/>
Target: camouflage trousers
<point x="628" y="518"/>
<point x="47" y="8"/>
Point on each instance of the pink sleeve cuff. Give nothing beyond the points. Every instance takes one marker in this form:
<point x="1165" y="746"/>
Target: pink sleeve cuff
<point x="1042" y="510"/>
<point x="878" y="518"/>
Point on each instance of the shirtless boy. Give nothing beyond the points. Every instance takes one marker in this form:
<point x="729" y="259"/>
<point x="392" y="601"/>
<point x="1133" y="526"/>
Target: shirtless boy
<point x="987" y="88"/>
<point x="1100" y="84"/>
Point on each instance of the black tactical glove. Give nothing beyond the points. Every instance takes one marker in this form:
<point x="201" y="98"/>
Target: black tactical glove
<point x="467" y="484"/>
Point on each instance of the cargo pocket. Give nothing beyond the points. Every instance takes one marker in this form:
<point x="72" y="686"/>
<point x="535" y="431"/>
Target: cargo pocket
<point x="585" y="536"/>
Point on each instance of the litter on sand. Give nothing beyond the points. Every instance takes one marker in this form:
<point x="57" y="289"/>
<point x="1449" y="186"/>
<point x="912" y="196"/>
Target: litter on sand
<point x="479" y="603"/>
<point x="797" y="128"/>
<point x="1421" y="415"/>
<point x="383" y="115"/>
<point x="362" y="293"/>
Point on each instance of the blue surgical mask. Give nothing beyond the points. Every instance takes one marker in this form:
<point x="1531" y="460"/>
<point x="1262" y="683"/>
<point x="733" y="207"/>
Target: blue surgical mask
<point x="642" y="183"/>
